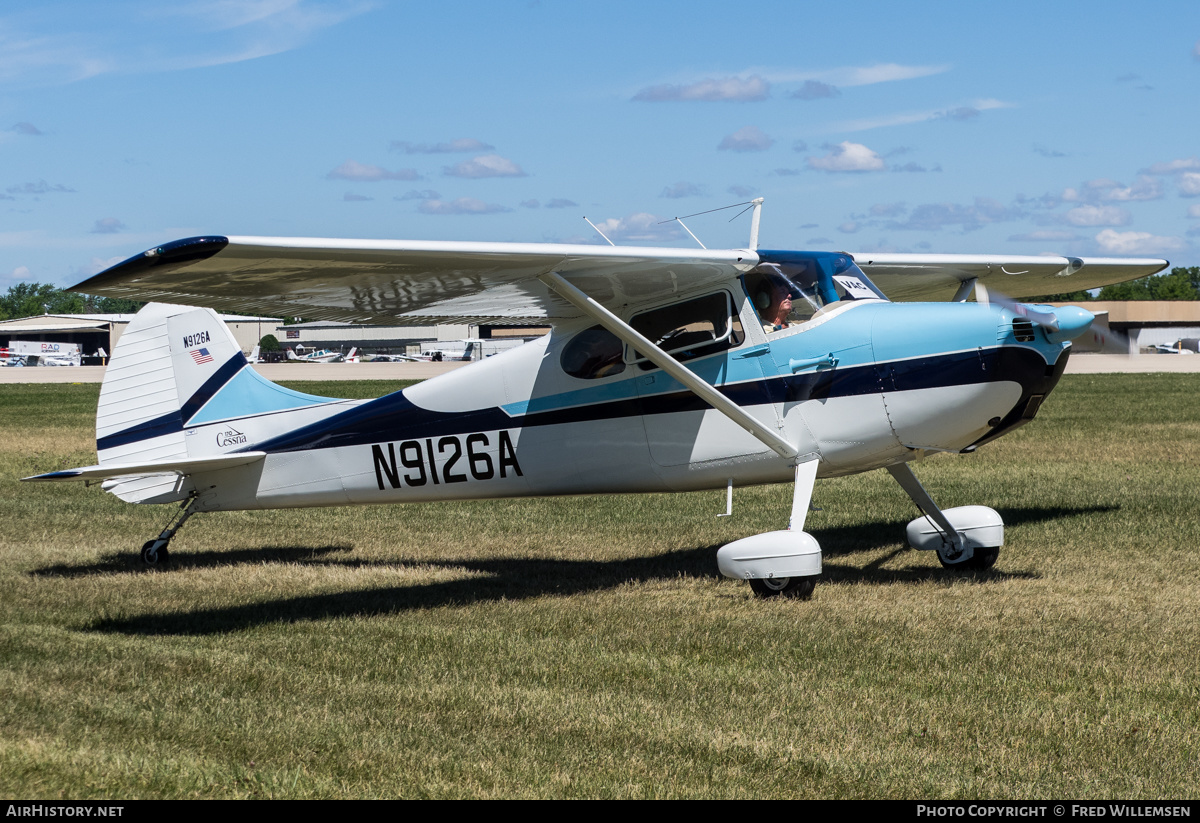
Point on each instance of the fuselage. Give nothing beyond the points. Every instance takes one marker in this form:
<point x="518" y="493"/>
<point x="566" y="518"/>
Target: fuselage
<point x="863" y="384"/>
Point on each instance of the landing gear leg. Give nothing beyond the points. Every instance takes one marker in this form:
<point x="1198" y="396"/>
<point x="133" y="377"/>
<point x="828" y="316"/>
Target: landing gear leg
<point x="965" y="538"/>
<point x="154" y="552"/>
<point x="781" y="563"/>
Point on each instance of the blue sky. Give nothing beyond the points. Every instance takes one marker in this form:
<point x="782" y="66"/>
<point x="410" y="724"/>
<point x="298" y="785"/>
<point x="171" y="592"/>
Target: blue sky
<point x="1020" y="128"/>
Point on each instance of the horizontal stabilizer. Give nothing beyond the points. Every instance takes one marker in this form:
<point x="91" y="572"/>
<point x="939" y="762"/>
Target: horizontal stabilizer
<point x="184" y="467"/>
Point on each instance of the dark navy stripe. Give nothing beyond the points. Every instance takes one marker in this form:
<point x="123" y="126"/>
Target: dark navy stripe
<point x="173" y="422"/>
<point x="395" y="417"/>
<point x="167" y="424"/>
<point x="212" y="385"/>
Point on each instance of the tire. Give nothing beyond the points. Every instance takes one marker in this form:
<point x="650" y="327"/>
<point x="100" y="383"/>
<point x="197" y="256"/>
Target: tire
<point x="151" y="557"/>
<point x="800" y="588"/>
<point x="981" y="560"/>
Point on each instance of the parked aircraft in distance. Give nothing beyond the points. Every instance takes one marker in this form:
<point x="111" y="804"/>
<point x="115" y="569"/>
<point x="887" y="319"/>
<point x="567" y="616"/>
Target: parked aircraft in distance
<point x="666" y="369"/>
<point x="320" y="356"/>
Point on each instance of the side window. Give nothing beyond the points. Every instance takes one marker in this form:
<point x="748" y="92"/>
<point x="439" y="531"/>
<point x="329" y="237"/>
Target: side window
<point x="694" y="328"/>
<point x="592" y="354"/>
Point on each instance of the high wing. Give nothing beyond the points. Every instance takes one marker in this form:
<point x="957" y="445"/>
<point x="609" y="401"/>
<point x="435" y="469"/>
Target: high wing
<point x="406" y="282"/>
<point x="932" y="277"/>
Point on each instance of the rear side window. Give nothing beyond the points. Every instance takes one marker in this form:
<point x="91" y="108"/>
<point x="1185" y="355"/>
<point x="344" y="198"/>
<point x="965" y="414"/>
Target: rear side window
<point x="592" y="354"/>
<point x="693" y="328"/>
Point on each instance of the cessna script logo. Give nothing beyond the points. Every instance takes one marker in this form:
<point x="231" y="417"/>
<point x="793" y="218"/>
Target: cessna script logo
<point x="230" y="437"/>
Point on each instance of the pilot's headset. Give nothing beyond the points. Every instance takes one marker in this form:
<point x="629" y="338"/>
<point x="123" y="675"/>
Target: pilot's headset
<point x="773" y="280"/>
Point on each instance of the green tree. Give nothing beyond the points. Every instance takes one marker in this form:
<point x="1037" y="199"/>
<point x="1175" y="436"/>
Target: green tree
<point x="1182" y="283"/>
<point x="111" y="305"/>
<point x="268" y="343"/>
<point x="29" y="299"/>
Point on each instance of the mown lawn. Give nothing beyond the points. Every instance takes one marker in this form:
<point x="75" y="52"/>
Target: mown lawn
<point x="587" y="647"/>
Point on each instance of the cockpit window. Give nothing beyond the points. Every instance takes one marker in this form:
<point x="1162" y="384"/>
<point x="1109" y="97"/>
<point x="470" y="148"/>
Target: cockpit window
<point x="592" y="354"/>
<point x="789" y="288"/>
<point x="693" y="328"/>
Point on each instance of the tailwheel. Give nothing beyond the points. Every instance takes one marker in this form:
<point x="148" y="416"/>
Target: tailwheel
<point x="154" y="552"/>
<point x="983" y="558"/>
<point x="800" y="588"/>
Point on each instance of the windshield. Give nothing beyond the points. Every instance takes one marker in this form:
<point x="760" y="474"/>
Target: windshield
<point x="789" y="287"/>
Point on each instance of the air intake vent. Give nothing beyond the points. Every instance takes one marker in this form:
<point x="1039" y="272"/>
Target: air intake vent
<point x="1022" y="330"/>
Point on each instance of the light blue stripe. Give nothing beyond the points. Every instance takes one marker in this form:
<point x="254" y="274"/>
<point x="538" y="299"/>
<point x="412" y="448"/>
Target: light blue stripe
<point x="249" y="393"/>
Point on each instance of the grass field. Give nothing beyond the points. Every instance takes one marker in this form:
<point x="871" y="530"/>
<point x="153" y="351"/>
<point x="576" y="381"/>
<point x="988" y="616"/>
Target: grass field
<point x="587" y="647"/>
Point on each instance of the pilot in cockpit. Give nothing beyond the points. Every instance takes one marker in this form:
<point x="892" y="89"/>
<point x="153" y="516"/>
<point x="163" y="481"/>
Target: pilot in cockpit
<point x="777" y="306"/>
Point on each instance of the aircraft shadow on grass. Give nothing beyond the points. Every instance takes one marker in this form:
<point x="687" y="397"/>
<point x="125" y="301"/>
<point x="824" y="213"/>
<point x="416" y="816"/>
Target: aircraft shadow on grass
<point x="518" y="578"/>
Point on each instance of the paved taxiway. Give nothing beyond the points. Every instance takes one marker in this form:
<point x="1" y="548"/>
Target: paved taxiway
<point x="1079" y="364"/>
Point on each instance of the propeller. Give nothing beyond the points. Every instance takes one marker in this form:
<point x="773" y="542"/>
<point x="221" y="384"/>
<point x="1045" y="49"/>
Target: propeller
<point x="1060" y="324"/>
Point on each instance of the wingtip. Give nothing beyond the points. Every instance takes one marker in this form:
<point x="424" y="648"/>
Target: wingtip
<point x="174" y="253"/>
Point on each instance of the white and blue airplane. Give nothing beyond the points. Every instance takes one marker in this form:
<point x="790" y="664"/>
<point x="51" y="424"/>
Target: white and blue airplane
<point x="666" y="370"/>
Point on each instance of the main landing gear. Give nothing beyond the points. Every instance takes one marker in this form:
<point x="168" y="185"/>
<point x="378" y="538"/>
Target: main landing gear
<point x="966" y="538"/>
<point x="782" y="563"/>
<point x="154" y="552"/>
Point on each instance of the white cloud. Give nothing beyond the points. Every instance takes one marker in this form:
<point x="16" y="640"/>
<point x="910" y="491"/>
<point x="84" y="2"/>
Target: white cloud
<point x="937" y="216"/>
<point x="1046" y="236"/>
<point x="413" y="194"/>
<point x="1045" y="152"/>
<point x="639" y="228"/>
<point x="1099" y="216"/>
<point x="1196" y="50"/>
<point x="462" y="144"/>
<point x="1194" y="210"/>
<point x="107" y="225"/>
<point x="727" y="89"/>
<point x="849" y="227"/>
<point x="887" y="210"/>
<point x="847" y="76"/>
<point x="28" y="129"/>
<point x="815" y="90"/>
<point x="748" y="138"/>
<point x="166" y="37"/>
<point x="963" y="112"/>
<point x="681" y="189"/>
<point x="20" y="273"/>
<point x="848" y="157"/>
<point x="1173" y="166"/>
<point x="1138" y="242"/>
<point x="1189" y="184"/>
<point x="40" y="187"/>
<point x="1103" y="190"/>
<point x="486" y="165"/>
<point x="958" y="113"/>
<point x="365" y="173"/>
<point x="351" y="197"/>
<point x="462" y="205"/>
<point x="882" y="73"/>
<point x="562" y="203"/>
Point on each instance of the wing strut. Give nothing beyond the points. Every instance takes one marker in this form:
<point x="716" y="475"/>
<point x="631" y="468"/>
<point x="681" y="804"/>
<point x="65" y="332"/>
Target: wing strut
<point x="670" y="365"/>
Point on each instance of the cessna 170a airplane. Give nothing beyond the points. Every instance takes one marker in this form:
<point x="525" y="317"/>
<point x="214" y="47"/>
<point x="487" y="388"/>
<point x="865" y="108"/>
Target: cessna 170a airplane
<point x="666" y="370"/>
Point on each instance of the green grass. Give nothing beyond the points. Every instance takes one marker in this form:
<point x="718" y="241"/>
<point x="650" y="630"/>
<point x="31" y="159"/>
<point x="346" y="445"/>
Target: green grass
<point x="587" y="647"/>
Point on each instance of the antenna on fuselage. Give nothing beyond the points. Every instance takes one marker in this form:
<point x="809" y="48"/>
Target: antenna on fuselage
<point x="602" y="234"/>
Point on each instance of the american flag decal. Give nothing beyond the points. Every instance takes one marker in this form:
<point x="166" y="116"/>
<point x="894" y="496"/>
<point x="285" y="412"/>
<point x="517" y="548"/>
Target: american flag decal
<point x="201" y="356"/>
